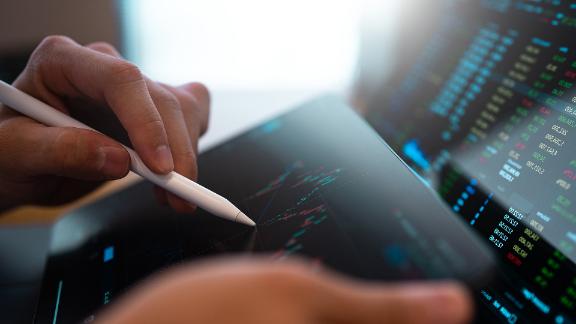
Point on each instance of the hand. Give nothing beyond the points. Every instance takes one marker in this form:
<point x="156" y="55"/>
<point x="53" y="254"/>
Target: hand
<point x="53" y="165"/>
<point x="255" y="291"/>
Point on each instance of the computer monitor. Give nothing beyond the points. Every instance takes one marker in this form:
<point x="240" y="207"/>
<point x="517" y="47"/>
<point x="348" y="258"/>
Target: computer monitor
<point x="482" y="105"/>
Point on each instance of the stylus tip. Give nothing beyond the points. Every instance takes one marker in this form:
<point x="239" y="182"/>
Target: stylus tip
<point x="242" y="218"/>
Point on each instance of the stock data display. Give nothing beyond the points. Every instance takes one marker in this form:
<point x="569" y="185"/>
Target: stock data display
<point x="487" y="114"/>
<point x="318" y="182"/>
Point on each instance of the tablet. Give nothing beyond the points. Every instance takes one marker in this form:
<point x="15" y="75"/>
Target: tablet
<point x="319" y="183"/>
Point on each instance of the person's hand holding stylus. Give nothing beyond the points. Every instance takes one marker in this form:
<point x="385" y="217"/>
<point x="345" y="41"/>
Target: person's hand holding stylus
<point x="53" y="165"/>
<point x="173" y="182"/>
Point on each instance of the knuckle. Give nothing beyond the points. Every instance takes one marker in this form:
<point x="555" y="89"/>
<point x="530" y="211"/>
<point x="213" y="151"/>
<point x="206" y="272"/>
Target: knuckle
<point x="103" y="47"/>
<point x="48" y="48"/>
<point x="122" y="72"/>
<point x="153" y="128"/>
<point x="168" y="99"/>
<point x="50" y="43"/>
<point x="75" y="150"/>
<point x="66" y="147"/>
<point x="153" y="124"/>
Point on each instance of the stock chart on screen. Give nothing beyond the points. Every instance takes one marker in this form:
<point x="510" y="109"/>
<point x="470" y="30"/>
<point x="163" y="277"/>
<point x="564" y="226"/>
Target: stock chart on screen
<point x="486" y="113"/>
<point x="319" y="183"/>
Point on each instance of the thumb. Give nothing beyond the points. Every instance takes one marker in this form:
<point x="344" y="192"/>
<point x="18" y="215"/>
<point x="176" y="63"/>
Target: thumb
<point x="402" y="303"/>
<point x="69" y="152"/>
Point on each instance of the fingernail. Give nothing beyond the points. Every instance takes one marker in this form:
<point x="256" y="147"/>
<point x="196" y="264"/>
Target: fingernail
<point x="113" y="161"/>
<point x="442" y="304"/>
<point x="164" y="158"/>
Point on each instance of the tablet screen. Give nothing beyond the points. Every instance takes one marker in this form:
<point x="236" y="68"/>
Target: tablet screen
<point x="318" y="182"/>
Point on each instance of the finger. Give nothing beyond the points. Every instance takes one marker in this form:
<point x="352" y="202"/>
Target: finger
<point x="197" y="98"/>
<point x="188" y="107"/>
<point x="69" y="152"/>
<point x="195" y="114"/>
<point x="61" y="68"/>
<point x="194" y="96"/>
<point x="183" y="151"/>
<point x="167" y="112"/>
<point x="407" y="303"/>
<point x="104" y="48"/>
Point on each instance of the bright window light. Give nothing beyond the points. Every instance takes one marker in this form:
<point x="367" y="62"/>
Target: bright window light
<point x="249" y="44"/>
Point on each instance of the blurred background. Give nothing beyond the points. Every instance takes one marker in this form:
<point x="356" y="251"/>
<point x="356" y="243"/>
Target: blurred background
<point x="258" y="57"/>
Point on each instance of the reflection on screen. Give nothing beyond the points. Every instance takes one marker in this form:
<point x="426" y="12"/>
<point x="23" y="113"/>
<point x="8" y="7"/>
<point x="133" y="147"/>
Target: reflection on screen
<point x="318" y="182"/>
<point x="487" y="113"/>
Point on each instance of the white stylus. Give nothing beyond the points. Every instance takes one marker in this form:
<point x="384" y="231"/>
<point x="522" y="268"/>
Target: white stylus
<point x="173" y="182"/>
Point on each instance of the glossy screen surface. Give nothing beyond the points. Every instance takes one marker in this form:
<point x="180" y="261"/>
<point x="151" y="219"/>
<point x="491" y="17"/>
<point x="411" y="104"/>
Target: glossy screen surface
<point x="483" y="107"/>
<point x="318" y="182"/>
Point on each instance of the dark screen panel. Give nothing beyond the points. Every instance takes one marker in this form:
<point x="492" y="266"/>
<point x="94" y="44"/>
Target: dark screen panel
<point x="485" y="112"/>
<point x="318" y="182"/>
